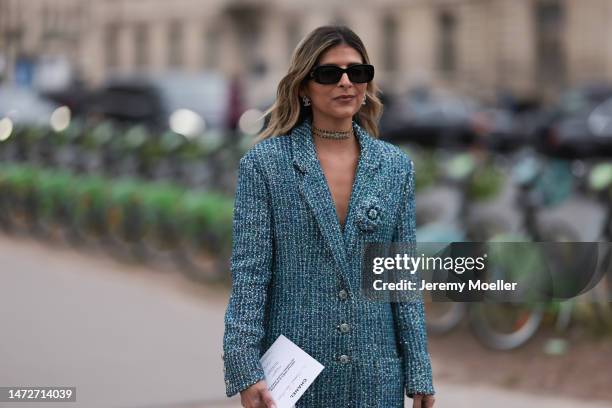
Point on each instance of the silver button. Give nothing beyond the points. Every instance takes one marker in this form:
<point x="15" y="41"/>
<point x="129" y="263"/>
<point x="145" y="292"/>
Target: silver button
<point x="344" y="327"/>
<point x="343" y="294"/>
<point x="372" y="213"/>
<point x="344" y="359"/>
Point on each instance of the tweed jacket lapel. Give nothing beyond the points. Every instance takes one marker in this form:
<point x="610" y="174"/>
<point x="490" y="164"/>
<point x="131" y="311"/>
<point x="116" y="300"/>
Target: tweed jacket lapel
<point x="315" y="190"/>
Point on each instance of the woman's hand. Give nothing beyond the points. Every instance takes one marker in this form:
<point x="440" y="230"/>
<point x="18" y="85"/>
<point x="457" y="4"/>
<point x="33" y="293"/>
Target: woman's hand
<point x="257" y="396"/>
<point x="423" y="401"/>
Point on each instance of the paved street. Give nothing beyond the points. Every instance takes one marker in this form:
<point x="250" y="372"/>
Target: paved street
<point x="125" y="337"/>
<point x="135" y="337"/>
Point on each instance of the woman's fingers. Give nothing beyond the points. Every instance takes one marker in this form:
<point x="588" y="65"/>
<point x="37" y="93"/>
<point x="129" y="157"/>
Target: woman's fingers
<point x="257" y="396"/>
<point x="252" y="401"/>
<point x="266" y="397"/>
<point x="423" y="401"/>
<point x="428" y="401"/>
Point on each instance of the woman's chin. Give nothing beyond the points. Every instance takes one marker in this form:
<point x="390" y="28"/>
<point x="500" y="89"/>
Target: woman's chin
<point x="339" y="113"/>
<point x="344" y="113"/>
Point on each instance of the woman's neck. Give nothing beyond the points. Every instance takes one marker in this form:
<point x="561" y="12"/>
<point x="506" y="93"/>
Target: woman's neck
<point x="347" y="145"/>
<point x="338" y="125"/>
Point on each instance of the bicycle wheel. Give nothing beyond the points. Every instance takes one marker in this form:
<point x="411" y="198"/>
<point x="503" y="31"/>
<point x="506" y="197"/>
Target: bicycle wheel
<point x="443" y="317"/>
<point x="505" y="326"/>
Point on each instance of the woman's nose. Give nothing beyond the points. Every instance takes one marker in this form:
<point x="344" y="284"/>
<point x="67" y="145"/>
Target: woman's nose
<point x="344" y="79"/>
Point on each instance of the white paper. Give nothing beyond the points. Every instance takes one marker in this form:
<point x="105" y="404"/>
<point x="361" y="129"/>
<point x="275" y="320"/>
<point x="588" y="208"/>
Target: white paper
<point x="289" y="371"/>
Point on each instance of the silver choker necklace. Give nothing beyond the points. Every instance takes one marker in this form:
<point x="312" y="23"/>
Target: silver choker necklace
<point x="332" y="134"/>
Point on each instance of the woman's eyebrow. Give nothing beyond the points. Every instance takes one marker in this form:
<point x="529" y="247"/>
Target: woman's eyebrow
<point x="337" y="65"/>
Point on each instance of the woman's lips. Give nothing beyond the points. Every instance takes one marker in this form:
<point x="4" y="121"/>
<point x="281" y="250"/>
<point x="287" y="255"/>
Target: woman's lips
<point x="344" y="98"/>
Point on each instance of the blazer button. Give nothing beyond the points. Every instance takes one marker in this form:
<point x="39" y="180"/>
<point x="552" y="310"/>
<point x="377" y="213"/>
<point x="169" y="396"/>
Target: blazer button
<point x="344" y="327"/>
<point x="372" y="213"/>
<point x="343" y="294"/>
<point x="344" y="359"/>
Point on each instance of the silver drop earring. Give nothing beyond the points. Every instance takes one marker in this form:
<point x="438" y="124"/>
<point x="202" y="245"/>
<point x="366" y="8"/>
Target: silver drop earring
<point x="306" y="100"/>
<point x="364" y="100"/>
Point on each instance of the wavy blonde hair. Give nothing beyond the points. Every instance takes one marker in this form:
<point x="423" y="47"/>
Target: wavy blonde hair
<point x="288" y="111"/>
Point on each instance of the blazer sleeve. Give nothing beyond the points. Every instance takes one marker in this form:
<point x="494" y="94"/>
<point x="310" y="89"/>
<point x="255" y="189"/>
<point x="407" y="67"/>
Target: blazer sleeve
<point x="410" y="316"/>
<point x="251" y="264"/>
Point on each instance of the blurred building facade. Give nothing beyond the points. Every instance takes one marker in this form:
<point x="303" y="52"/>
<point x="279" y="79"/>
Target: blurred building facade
<point x="477" y="47"/>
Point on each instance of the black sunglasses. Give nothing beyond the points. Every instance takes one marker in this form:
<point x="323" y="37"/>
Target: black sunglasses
<point x="331" y="74"/>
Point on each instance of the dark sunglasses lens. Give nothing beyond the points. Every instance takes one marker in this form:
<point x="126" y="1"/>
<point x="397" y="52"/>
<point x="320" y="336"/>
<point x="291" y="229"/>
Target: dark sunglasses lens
<point x="361" y="73"/>
<point x="328" y="75"/>
<point x="331" y="75"/>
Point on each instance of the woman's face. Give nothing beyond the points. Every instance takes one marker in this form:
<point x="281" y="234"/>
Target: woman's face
<point x="324" y="97"/>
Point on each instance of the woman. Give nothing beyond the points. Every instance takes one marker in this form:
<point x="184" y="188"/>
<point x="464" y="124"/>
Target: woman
<point x="314" y="189"/>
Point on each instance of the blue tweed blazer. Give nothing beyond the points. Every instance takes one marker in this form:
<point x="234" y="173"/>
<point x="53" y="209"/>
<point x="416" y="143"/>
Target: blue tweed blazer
<point x="297" y="272"/>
